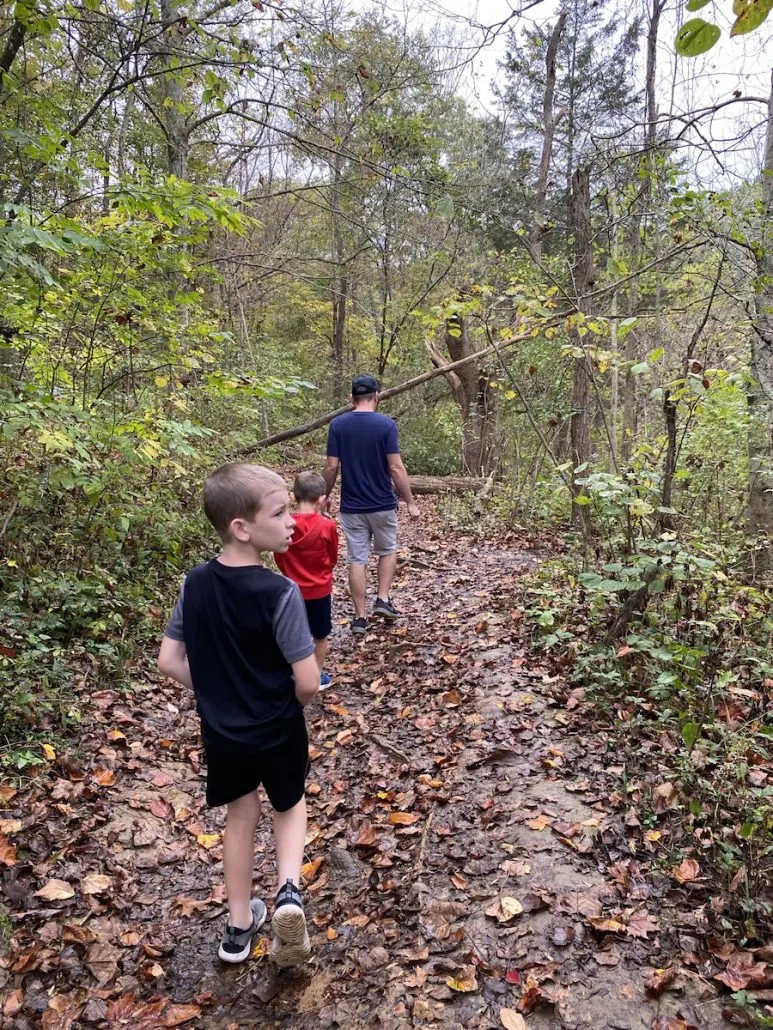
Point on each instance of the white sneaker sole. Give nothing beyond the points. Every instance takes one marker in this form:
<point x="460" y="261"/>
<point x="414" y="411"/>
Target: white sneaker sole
<point x="291" y="945"/>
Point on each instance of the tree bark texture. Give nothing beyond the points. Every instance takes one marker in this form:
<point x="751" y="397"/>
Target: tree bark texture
<point x="549" y="122"/>
<point x="760" y="514"/>
<point x="471" y="389"/>
<point x="580" y="424"/>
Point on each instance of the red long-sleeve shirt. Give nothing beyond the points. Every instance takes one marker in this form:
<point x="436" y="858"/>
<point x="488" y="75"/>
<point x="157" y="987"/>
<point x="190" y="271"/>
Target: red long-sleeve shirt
<point x="312" y="555"/>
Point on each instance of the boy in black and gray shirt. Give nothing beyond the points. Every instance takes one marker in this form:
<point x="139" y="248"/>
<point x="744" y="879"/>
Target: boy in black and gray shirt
<point x="240" y="638"/>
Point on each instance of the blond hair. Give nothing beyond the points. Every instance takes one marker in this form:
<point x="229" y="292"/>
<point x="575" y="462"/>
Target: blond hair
<point x="237" y="491"/>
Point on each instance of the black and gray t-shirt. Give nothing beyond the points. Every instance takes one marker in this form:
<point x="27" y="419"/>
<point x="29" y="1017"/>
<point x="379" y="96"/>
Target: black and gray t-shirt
<point x="243" y="627"/>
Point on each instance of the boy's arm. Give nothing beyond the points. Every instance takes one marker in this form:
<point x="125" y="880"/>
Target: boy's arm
<point x="306" y="675"/>
<point x="173" y="661"/>
<point x="332" y="543"/>
<point x="292" y="634"/>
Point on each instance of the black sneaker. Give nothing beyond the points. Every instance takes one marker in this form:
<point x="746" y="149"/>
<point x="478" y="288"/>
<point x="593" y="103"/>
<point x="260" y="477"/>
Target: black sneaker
<point x="236" y="944"/>
<point x="358" y="625"/>
<point x="385" y="608"/>
<point x="291" y="945"/>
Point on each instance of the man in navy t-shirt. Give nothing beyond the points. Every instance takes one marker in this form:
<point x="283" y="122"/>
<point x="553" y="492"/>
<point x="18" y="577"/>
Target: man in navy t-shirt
<point x="364" y="445"/>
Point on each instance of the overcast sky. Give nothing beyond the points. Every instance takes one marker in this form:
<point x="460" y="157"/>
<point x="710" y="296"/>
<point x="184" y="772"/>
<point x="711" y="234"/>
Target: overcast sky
<point x="732" y="137"/>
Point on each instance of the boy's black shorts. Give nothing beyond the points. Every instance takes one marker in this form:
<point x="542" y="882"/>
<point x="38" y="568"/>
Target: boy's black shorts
<point x="232" y="773"/>
<point x="319" y="612"/>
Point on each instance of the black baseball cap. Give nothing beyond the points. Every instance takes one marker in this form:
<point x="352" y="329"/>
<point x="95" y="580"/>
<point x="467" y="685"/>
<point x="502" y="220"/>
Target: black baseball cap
<point x="363" y="384"/>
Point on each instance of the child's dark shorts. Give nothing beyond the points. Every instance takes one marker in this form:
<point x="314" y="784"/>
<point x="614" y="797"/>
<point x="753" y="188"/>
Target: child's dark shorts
<point x="233" y="772"/>
<point x="319" y="612"/>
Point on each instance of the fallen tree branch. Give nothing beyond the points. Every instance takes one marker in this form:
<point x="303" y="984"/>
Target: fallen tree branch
<point x="323" y="420"/>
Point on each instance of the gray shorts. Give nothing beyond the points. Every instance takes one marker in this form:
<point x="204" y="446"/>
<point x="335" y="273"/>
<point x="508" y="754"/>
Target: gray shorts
<point x="360" y="528"/>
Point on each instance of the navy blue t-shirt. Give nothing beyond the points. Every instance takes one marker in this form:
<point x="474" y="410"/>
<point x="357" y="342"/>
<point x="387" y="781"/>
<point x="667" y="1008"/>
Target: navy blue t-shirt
<point x="243" y="627"/>
<point x="361" y="441"/>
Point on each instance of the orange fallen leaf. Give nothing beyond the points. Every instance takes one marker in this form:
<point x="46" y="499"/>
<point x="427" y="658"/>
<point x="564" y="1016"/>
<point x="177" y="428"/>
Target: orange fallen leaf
<point x="403" y="818"/>
<point x="539" y="823"/>
<point x="7" y="852"/>
<point x="310" y="869"/>
<point x="104" y="777"/>
<point x="450" y="659"/>
<point x="176" y="1015"/>
<point x="687" y="871"/>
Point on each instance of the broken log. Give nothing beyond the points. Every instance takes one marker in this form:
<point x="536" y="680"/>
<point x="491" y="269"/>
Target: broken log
<point x="446" y="484"/>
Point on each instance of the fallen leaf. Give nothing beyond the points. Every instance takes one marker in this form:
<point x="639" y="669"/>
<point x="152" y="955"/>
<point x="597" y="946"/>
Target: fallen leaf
<point x="465" y="982"/>
<point x="403" y="818"/>
<point x="640" y="924"/>
<point x="658" y="980"/>
<point x="687" y="871"/>
<point x="539" y="823"/>
<point x="504" y="908"/>
<point x="102" y="961"/>
<point x="512" y="1020"/>
<point x="208" y="840"/>
<point x="7" y="852"/>
<point x="450" y="659"/>
<point x="367" y="837"/>
<point x="176" y="1015"/>
<point x="55" y="890"/>
<point x="95" y="883"/>
<point x="513" y="867"/>
<point x="48" y="751"/>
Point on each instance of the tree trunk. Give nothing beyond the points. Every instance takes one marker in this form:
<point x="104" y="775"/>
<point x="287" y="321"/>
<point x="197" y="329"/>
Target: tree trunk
<point x="471" y="389"/>
<point x="549" y="120"/>
<point x="175" y="125"/>
<point x="580" y="424"/>
<point x="760" y="513"/>
<point x="340" y="285"/>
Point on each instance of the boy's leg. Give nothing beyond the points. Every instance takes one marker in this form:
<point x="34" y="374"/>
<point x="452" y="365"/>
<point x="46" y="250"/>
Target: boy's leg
<point x="241" y="821"/>
<point x="320" y="651"/>
<point x="290" y="837"/>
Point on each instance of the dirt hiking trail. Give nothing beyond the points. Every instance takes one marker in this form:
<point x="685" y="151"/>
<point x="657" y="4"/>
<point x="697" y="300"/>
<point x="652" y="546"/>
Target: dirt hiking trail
<point x="468" y="864"/>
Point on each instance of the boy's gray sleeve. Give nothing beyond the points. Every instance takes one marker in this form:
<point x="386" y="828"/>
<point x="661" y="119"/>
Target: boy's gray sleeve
<point x="174" y="628"/>
<point x="291" y="626"/>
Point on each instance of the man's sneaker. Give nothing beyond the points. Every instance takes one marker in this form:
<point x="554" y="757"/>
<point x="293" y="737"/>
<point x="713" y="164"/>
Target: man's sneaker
<point x="325" y="680"/>
<point x="358" y="625"/>
<point x="291" y="945"/>
<point x="236" y="944"/>
<point x="385" y="608"/>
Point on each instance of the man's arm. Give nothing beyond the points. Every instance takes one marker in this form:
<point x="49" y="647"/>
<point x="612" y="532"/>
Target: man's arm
<point x="330" y="473"/>
<point x="173" y="661"/>
<point x="399" y="476"/>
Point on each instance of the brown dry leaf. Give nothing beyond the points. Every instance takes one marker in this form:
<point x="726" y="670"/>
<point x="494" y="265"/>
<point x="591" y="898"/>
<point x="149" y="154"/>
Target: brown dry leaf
<point x="640" y="924"/>
<point x="539" y="823"/>
<point x="95" y="883"/>
<point x="55" y="890"/>
<point x="7" y="852"/>
<point x="658" y="980"/>
<point x="607" y="925"/>
<point x="504" y="908"/>
<point x="451" y="699"/>
<point x="162" y="779"/>
<point x="367" y="837"/>
<point x="104" y="777"/>
<point x="514" y="867"/>
<point x="310" y="869"/>
<point x="672" y="1023"/>
<point x="61" y="1013"/>
<point x="102" y="961"/>
<point x="10" y="825"/>
<point x="176" y="1015"/>
<point x="458" y="881"/>
<point x="6" y="792"/>
<point x="13" y="1003"/>
<point x="418" y="979"/>
<point x="403" y="818"/>
<point x="188" y="906"/>
<point x="512" y="1020"/>
<point x="450" y="659"/>
<point x="465" y="982"/>
<point x="161" y="809"/>
<point x="687" y="871"/>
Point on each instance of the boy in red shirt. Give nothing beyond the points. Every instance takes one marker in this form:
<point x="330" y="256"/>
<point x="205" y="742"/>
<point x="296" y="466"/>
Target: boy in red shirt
<point x="310" y="560"/>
